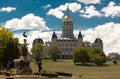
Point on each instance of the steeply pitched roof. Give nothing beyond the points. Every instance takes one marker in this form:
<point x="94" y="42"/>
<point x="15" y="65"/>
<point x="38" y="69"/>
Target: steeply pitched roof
<point x="98" y="40"/>
<point x="54" y="35"/>
<point x="79" y="35"/>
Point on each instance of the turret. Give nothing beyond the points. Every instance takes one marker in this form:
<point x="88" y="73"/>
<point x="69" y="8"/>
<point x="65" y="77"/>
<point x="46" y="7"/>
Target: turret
<point x="80" y="38"/>
<point x="98" y="43"/>
<point x="37" y="40"/>
<point x="54" y="36"/>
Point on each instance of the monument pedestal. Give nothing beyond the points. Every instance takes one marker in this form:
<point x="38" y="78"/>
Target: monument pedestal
<point x="22" y="67"/>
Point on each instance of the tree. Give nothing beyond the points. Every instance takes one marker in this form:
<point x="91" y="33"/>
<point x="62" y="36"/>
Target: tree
<point x="37" y="55"/>
<point x="114" y="61"/>
<point x="5" y="36"/>
<point x="9" y="47"/>
<point x="37" y="52"/>
<point x="54" y="52"/>
<point x="97" y="56"/>
<point x="11" y="51"/>
<point x="80" y="55"/>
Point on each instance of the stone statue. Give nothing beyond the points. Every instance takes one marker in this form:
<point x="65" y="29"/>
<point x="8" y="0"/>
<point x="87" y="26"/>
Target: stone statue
<point x="24" y="51"/>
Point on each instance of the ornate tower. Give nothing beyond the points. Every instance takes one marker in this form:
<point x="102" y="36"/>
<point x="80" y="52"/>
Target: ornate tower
<point x="67" y="26"/>
<point x="80" y="39"/>
<point x="98" y="43"/>
<point x="54" y="38"/>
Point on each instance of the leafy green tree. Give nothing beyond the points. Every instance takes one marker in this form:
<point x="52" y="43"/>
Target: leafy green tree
<point x="37" y="52"/>
<point x="97" y="56"/>
<point x="80" y="55"/>
<point x="54" y="52"/>
<point x="9" y="47"/>
<point x="11" y="51"/>
<point x="5" y="36"/>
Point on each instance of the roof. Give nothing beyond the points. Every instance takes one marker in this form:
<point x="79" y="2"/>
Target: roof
<point x="98" y="40"/>
<point x="80" y="35"/>
<point x="54" y="35"/>
<point x="37" y="40"/>
<point x="67" y="17"/>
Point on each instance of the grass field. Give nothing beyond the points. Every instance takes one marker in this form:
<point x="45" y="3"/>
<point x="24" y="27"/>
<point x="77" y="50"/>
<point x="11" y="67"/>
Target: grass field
<point x="83" y="72"/>
<point x="110" y="71"/>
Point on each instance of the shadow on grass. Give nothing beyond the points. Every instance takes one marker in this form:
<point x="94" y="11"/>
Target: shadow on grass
<point x="91" y="65"/>
<point x="59" y="60"/>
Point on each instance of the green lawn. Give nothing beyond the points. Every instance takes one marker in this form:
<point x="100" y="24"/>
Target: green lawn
<point x="80" y="72"/>
<point x="83" y="72"/>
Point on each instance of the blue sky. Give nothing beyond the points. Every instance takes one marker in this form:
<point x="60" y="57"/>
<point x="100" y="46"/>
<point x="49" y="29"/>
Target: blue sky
<point x="95" y="18"/>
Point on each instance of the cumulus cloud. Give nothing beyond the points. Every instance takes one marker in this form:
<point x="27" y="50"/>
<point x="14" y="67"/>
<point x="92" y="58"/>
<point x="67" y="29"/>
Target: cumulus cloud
<point x="47" y="6"/>
<point x="7" y="9"/>
<point x="89" y="12"/>
<point x="29" y="21"/>
<point x="35" y="23"/>
<point x="58" y="12"/>
<point x="111" y="10"/>
<point x="90" y="1"/>
<point x="109" y="33"/>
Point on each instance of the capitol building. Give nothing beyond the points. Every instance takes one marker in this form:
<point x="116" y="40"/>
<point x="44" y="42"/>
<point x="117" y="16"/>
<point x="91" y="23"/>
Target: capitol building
<point x="67" y="42"/>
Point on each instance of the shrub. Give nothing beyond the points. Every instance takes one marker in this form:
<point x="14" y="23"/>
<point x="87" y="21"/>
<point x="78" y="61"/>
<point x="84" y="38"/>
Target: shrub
<point x="64" y="74"/>
<point x="0" y="72"/>
<point x="7" y="74"/>
<point x="49" y="74"/>
<point x="36" y="73"/>
<point x="114" y="60"/>
<point x="80" y="55"/>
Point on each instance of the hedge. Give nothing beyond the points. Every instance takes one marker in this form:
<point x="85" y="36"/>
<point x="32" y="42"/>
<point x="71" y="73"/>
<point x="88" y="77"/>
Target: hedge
<point x="49" y="74"/>
<point x="64" y="74"/>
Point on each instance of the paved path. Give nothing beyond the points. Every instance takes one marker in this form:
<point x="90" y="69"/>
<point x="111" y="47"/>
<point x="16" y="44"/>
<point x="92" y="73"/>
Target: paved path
<point x="21" y="76"/>
<point x="29" y="76"/>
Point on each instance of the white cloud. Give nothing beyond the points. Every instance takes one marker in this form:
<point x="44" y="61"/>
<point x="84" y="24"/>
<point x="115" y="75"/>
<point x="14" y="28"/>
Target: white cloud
<point x="109" y="33"/>
<point x="89" y="12"/>
<point x="7" y="9"/>
<point x="47" y="6"/>
<point x="58" y="12"/>
<point x="29" y="21"/>
<point x="90" y="1"/>
<point x="111" y="10"/>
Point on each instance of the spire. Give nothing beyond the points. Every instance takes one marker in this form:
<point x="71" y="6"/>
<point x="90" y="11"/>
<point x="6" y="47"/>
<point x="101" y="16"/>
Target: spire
<point x="67" y="16"/>
<point x="67" y="9"/>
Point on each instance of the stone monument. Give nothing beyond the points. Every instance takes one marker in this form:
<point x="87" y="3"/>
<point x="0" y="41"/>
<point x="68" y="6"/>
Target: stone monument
<point x="23" y="63"/>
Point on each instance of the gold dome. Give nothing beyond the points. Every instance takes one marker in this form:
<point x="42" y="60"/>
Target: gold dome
<point x="67" y="16"/>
